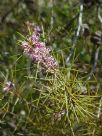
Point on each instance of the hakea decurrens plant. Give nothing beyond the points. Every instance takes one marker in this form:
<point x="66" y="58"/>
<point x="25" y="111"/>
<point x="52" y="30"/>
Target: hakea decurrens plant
<point x="36" y="49"/>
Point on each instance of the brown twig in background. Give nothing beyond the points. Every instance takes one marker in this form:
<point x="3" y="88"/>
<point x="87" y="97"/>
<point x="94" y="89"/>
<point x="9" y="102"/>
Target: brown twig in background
<point x="3" y="18"/>
<point x="97" y="40"/>
<point x="32" y="6"/>
<point x="63" y="30"/>
<point x="77" y="33"/>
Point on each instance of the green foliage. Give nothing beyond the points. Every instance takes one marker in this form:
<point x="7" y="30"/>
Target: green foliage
<point x="42" y="104"/>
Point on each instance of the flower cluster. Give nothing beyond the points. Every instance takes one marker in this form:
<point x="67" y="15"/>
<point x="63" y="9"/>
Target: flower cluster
<point x="8" y="85"/>
<point x="35" y="49"/>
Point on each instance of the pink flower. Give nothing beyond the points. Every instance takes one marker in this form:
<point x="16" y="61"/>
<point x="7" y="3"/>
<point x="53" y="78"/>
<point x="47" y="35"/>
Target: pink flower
<point x="34" y="38"/>
<point x="8" y="85"/>
<point x="35" y="49"/>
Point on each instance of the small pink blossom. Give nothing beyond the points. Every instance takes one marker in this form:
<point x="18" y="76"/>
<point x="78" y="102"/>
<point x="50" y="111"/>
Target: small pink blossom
<point x="8" y="85"/>
<point x="35" y="49"/>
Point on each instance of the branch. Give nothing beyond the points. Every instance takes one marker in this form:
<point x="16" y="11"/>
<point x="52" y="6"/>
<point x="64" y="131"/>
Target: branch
<point x="3" y="18"/>
<point x="62" y="31"/>
<point x="77" y="33"/>
<point x="96" y="48"/>
<point x="98" y="112"/>
<point x="32" y="6"/>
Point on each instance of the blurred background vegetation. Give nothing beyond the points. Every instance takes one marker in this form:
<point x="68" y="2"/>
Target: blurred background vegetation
<point x="31" y="113"/>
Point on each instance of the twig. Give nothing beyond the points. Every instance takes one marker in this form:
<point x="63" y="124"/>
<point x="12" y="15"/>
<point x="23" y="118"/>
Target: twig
<point x="69" y="23"/>
<point x="99" y="108"/>
<point x="77" y="33"/>
<point x="52" y="13"/>
<point x="3" y="18"/>
<point x="96" y="48"/>
<point x="62" y="31"/>
<point x="32" y="6"/>
<point x="98" y="113"/>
